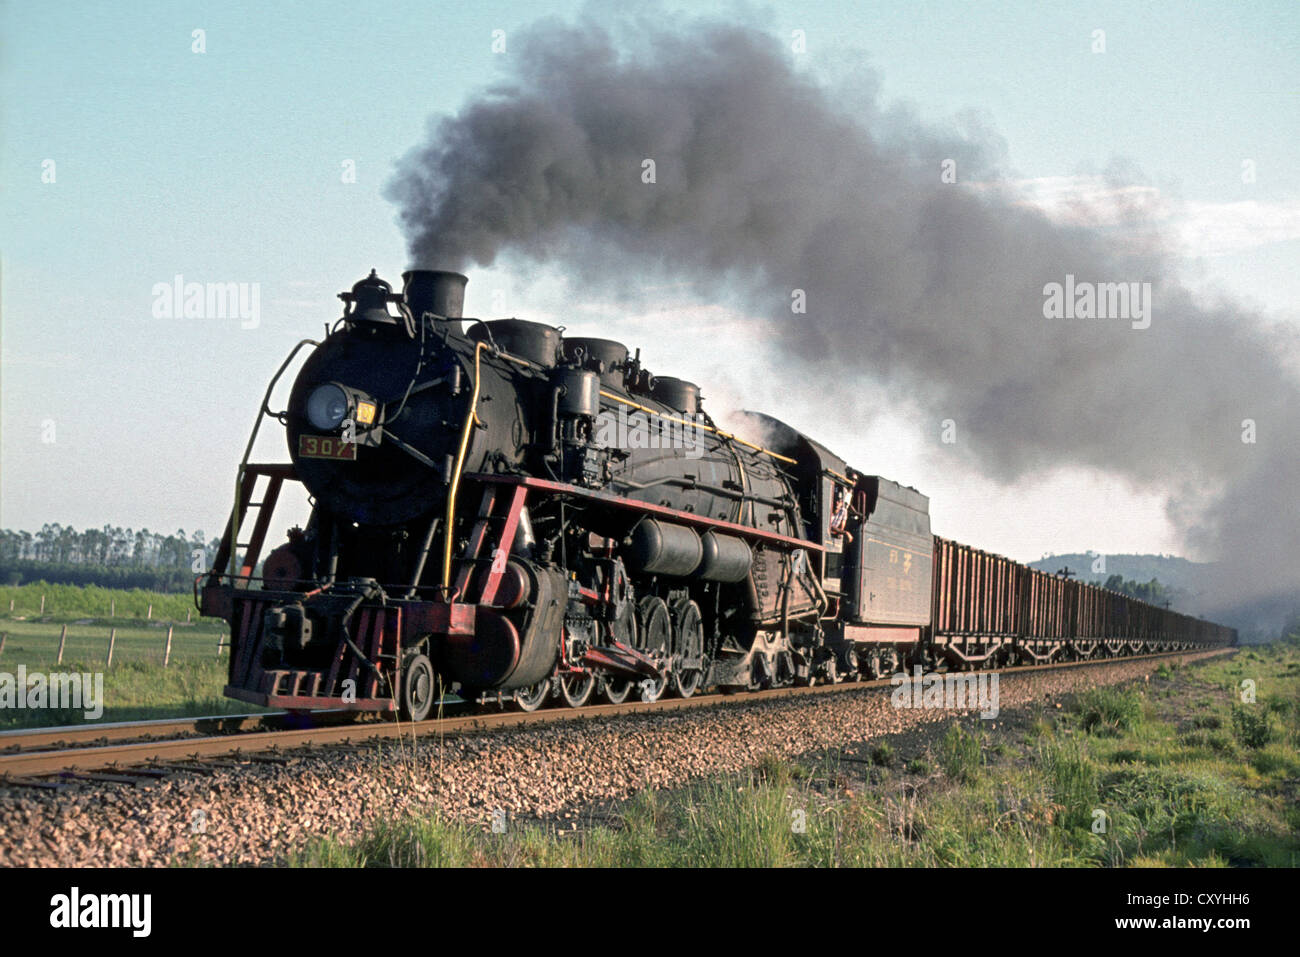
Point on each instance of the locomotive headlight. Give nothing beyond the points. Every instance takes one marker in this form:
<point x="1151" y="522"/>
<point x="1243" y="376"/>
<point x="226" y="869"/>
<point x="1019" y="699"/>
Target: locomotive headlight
<point x="327" y="407"/>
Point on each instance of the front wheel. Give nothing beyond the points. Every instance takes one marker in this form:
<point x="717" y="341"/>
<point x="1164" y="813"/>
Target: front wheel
<point x="419" y="689"/>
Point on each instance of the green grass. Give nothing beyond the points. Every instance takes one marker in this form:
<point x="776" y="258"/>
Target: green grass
<point x="69" y="602"/>
<point x="883" y="755"/>
<point x="754" y="824"/>
<point x="36" y="643"/>
<point x="136" y="691"/>
<point x="1122" y="777"/>
<point x="1109" y="710"/>
<point x="1071" y="778"/>
<point x="960" y="754"/>
<point x="1250" y="726"/>
<point x="136" y="686"/>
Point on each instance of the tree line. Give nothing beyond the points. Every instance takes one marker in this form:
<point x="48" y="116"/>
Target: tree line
<point x="1152" y="592"/>
<point x="111" y="557"/>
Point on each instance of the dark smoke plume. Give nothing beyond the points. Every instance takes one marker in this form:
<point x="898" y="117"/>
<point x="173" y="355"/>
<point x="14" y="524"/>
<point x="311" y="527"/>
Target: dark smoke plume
<point x="767" y="181"/>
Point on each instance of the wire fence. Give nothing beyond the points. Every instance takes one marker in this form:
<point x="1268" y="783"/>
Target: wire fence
<point x="63" y="625"/>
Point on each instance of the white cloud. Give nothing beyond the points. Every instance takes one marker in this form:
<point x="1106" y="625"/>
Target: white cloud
<point x="1140" y="214"/>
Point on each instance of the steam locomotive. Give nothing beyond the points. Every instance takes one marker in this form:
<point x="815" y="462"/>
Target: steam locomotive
<point x="503" y="512"/>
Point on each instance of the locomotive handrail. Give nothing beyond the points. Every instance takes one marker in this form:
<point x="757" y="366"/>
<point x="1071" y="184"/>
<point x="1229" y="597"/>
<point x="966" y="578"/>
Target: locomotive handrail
<point x="693" y="519"/>
<point x="614" y="397"/>
<point x="471" y="418"/>
<point x="265" y="410"/>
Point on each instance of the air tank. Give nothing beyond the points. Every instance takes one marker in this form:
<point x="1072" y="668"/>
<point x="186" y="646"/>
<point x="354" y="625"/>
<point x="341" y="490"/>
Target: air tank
<point x="661" y="548"/>
<point x="723" y="558"/>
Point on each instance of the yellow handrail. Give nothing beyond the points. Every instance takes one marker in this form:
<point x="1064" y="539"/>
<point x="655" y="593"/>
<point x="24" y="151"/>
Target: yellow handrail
<point x="708" y="428"/>
<point x="471" y="418"/>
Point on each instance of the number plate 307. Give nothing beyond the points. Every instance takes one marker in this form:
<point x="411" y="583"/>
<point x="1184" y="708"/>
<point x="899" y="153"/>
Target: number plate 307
<point x="326" y="447"/>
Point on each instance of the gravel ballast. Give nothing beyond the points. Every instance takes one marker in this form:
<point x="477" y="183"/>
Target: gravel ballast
<point x="258" y="813"/>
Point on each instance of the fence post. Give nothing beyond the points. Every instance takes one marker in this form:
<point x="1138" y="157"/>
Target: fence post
<point x="112" y="607"/>
<point x="42" y="604"/>
<point x="149" y="614"/>
<point x="187" y="616"/>
<point x="5" y="634"/>
<point x="219" y="640"/>
<point x="112" y="639"/>
<point x="11" y="604"/>
<point x="63" y="640"/>
<point x="167" y="653"/>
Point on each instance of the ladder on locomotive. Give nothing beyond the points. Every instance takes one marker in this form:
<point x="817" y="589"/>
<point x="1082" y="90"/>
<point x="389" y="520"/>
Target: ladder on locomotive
<point x="504" y="512"/>
<point x="228" y="554"/>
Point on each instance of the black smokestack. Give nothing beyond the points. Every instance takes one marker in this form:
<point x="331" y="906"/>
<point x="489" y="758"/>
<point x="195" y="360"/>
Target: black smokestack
<point x="694" y="150"/>
<point x="434" y="290"/>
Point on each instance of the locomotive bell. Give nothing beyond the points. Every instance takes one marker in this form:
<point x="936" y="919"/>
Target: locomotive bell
<point x="368" y="301"/>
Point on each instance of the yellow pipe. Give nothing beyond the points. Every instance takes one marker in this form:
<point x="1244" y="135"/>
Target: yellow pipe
<point x="449" y="532"/>
<point x="708" y="428"/>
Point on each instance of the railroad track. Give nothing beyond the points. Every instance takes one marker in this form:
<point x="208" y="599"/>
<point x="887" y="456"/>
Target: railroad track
<point x="47" y="739"/>
<point x="139" y="751"/>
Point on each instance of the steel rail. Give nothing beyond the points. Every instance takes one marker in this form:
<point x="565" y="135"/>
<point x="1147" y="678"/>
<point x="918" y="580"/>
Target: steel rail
<point x="133" y="754"/>
<point x="32" y="739"/>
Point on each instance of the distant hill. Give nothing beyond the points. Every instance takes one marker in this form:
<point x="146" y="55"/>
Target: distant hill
<point x="1182" y="583"/>
<point x="1188" y="586"/>
<point x="1178" y="574"/>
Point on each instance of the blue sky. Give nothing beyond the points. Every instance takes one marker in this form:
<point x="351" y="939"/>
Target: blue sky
<point x="226" y="166"/>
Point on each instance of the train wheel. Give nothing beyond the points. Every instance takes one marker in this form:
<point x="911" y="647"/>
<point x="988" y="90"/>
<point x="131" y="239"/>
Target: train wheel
<point x="616" y="690"/>
<point x="419" y="689"/>
<point x="848" y="667"/>
<point x="576" y="689"/>
<point x="655" y="635"/>
<point x="688" y="645"/>
<point x="530" y="699"/>
<point x="686" y="683"/>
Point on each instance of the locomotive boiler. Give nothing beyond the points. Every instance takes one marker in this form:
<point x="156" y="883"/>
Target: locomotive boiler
<point x="503" y="512"/>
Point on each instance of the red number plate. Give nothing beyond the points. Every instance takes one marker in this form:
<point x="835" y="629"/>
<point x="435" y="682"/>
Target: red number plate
<point x="326" y="447"/>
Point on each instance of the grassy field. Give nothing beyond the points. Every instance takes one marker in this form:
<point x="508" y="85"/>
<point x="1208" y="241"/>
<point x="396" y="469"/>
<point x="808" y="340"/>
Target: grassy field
<point x="1176" y="772"/>
<point x="70" y="602"/>
<point x="136" y="685"/>
<point x="35" y="643"/>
